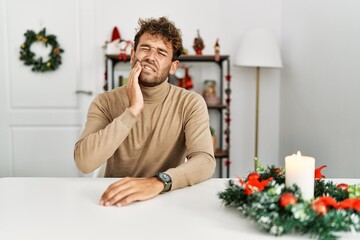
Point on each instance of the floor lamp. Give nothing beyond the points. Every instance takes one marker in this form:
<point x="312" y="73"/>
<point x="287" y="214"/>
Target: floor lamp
<point x="258" y="49"/>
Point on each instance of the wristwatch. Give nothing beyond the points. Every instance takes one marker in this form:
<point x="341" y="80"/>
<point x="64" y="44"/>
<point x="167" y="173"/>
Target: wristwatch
<point x="166" y="179"/>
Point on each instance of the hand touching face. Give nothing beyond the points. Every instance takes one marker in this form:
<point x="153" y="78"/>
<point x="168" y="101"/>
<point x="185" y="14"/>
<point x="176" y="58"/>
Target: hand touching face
<point x="155" y="57"/>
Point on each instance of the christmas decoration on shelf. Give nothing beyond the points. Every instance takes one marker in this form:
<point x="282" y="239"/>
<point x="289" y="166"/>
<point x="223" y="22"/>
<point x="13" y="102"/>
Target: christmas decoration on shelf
<point x="209" y="93"/>
<point x="217" y="50"/>
<point x="29" y="57"/>
<point x="227" y="115"/>
<point x="198" y="44"/>
<point x="117" y="45"/>
<point x="278" y="210"/>
<point x="124" y="44"/>
<point x="184" y="78"/>
<point x="112" y="46"/>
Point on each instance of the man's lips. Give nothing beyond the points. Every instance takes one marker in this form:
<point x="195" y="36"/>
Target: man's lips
<point x="148" y="67"/>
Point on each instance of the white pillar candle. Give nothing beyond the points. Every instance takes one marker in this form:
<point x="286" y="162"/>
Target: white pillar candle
<point x="300" y="170"/>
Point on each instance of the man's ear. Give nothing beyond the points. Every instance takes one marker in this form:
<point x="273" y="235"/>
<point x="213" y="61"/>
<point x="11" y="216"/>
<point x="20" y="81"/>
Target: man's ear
<point x="132" y="56"/>
<point x="174" y="65"/>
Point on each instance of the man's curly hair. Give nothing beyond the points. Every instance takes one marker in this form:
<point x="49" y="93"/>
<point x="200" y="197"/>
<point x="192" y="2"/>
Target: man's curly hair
<point x="163" y="28"/>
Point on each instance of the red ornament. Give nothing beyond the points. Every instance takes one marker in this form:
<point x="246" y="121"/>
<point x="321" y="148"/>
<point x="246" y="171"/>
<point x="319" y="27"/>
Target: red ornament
<point x="322" y="204"/>
<point x="227" y="163"/>
<point x="278" y="171"/>
<point x="186" y="82"/>
<point x="228" y="77"/>
<point x="287" y="199"/>
<point x="320" y="207"/>
<point x="343" y="186"/>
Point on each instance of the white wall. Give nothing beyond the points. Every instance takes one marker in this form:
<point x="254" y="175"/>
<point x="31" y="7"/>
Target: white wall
<point x="311" y="105"/>
<point x="227" y="20"/>
<point x="320" y="86"/>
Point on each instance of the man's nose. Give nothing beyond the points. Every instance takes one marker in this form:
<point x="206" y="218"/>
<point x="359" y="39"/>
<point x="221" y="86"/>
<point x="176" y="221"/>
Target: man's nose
<point x="153" y="52"/>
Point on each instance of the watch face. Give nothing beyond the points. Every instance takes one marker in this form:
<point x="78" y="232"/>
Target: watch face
<point x="165" y="177"/>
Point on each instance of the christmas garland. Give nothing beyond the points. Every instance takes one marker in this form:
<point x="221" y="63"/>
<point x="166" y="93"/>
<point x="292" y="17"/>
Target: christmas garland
<point x="38" y="64"/>
<point x="278" y="210"/>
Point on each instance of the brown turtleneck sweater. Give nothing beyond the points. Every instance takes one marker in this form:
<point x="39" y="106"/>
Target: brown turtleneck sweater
<point x="173" y="125"/>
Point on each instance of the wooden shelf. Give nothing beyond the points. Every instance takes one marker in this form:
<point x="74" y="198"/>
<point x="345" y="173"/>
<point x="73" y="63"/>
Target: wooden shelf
<point x="223" y="62"/>
<point x="217" y="106"/>
<point x="115" y="57"/>
<point x="221" y="153"/>
<point x="186" y="58"/>
<point x="202" y="58"/>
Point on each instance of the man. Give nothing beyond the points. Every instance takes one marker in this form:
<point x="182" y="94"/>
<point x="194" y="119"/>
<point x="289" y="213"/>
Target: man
<point x="152" y="134"/>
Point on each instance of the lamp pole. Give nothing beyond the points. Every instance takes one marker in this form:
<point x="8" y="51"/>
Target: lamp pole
<point x="257" y="113"/>
<point x="258" y="48"/>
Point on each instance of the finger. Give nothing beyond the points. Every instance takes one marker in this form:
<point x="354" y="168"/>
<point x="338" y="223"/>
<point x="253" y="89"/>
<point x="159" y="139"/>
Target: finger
<point x="135" y="73"/>
<point x="120" y="197"/>
<point x="144" y="189"/>
<point x="130" y="190"/>
<point x="111" y="190"/>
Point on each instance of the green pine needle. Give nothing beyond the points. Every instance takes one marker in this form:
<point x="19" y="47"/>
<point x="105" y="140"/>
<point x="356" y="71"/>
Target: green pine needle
<point x="263" y="207"/>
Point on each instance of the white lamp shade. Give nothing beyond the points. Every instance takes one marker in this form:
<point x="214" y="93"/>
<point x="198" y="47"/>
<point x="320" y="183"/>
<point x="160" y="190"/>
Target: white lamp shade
<point x="259" y="48"/>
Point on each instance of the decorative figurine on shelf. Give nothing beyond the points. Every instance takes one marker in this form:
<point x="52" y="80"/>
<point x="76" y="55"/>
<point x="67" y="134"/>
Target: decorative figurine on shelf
<point x="124" y="44"/>
<point x="117" y="45"/>
<point x="198" y="44"/>
<point x="217" y="50"/>
<point x="112" y="46"/>
<point x="185" y="80"/>
<point x="209" y="92"/>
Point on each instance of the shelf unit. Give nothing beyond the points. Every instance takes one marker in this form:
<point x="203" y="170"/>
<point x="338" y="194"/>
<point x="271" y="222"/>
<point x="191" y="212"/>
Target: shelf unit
<point x="222" y="153"/>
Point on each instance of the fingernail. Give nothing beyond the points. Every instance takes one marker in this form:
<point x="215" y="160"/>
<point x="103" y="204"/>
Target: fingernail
<point x="101" y="202"/>
<point x="118" y="204"/>
<point x="107" y="203"/>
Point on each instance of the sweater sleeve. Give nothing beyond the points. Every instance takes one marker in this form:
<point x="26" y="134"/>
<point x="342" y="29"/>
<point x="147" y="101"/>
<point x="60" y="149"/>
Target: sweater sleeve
<point x="201" y="163"/>
<point x="101" y="136"/>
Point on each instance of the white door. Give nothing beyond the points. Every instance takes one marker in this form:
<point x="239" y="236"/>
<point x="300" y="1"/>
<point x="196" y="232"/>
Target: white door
<point x="41" y="114"/>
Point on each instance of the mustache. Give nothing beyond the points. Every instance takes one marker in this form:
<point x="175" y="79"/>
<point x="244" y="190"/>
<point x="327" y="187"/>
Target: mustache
<point x="148" y="62"/>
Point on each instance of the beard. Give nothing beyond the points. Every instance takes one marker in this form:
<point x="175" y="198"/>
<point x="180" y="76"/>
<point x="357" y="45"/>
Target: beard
<point x="148" y="80"/>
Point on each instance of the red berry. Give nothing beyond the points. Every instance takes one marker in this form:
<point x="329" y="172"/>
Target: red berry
<point x="286" y="199"/>
<point x="343" y="186"/>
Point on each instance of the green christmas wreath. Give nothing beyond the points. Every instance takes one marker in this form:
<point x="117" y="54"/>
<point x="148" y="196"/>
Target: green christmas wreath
<point x="278" y="209"/>
<point x="29" y="57"/>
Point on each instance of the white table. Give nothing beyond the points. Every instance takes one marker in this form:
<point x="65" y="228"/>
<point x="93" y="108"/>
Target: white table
<point x="67" y="208"/>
